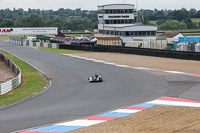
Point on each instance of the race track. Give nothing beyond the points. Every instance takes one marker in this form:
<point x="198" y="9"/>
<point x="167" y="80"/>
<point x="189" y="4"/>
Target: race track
<point x="71" y="96"/>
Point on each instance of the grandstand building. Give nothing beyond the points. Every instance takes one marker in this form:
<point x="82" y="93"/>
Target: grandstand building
<point x="122" y="20"/>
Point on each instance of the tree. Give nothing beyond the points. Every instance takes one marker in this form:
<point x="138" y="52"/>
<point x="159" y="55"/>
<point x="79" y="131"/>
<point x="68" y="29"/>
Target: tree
<point x="160" y="21"/>
<point x="192" y="12"/>
<point x="197" y="14"/>
<point x="80" y="27"/>
<point x="190" y="24"/>
<point x="160" y="15"/>
<point x="173" y="25"/>
<point x="8" y="23"/>
<point x="34" y="21"/>
<point x="145" y="20"/>
<point x="178" y="14"/>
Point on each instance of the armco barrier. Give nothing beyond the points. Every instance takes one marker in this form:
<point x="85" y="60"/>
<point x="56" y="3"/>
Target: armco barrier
<point x="20" y="41"/>
<point x="137" y="51"/>
<point x="13" y="83"/>
<point x="16" y="40"/>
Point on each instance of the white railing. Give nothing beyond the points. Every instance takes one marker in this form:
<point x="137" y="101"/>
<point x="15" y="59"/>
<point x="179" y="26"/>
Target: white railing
<point x="13" y="83"/>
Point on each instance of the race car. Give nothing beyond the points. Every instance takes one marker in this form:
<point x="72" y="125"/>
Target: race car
<point x="95" y="78"/>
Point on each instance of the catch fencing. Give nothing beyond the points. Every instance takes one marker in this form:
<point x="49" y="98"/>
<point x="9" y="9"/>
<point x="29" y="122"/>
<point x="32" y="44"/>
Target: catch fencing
<point x="13" y="83"/>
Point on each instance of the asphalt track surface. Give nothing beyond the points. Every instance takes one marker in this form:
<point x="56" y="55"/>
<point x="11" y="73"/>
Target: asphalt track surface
<point x="71" y="96"/>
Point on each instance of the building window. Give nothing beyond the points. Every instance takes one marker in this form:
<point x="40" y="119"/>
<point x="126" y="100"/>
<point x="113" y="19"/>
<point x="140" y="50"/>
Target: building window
<point x="117" y="11"/>
<point x="127" y="33"/>
<point x="131" y="33"/>
<point x="107" y="32"/>
<point x="100" y="16"/>
<point x="144" y="33"/>
<point x="107" y="11"/>
<point x="131" y="11"/>
<point x="140" y="33"/>
<point x="153" y="33"/>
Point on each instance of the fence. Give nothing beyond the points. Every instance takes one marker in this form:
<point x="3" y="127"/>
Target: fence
<point x="21" y="41"/>
<point x="137" y="51"/>
<point x="16" y="40"/>
<point x="152" y="44"/>
<point x="13" y="83"/>
<point x="187" y="46"/>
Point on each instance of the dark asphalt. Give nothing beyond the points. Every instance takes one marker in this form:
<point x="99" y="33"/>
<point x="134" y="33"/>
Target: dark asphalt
<point x="71" y="96"/>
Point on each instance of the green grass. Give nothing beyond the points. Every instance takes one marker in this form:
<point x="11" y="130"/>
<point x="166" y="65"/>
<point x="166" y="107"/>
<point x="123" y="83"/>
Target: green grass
<point x="32" y="83"/>
<point x="195" y="20"/>
<point x="6" y="37"/>
<point x="191" y="34"/>
<point x="62" y="51"/>
<point x="153" y="22"/>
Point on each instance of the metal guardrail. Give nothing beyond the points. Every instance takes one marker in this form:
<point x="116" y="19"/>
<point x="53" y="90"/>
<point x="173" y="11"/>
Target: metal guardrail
<point x="22" y="42"/>
<point x="13" y="83"/>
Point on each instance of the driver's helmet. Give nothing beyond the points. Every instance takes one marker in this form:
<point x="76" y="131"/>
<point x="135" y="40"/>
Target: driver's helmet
<point x="96" y="75"/>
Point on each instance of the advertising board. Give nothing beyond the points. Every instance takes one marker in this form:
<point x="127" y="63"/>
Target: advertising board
<point x="29" y="31"/>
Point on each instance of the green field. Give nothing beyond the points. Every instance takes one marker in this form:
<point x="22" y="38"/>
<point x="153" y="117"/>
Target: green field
<point x="62" y="51"/>
<point x="7" y="37"/>
<point x="32" y="83"/>
<point x="195" y="20"/>
<point x="153" y="22"/>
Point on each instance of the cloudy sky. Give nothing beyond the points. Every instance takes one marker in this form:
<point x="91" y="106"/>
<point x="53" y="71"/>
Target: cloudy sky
<point x="92" y="4"/>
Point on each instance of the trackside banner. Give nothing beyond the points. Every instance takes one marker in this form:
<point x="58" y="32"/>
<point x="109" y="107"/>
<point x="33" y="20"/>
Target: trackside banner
<point x="29" y="31"/>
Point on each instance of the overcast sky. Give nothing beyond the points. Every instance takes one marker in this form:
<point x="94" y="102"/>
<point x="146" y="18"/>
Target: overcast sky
<point x="92" y="4"/>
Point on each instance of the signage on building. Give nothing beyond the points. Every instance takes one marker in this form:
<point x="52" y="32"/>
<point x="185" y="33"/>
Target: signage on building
<point x="29" y="31"/>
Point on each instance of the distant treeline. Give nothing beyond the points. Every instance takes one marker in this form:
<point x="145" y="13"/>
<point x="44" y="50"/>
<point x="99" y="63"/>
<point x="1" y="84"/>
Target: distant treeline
<point x="77" y="20"/>
<point x="65" y="19"/>
<point x="172" y="20"/>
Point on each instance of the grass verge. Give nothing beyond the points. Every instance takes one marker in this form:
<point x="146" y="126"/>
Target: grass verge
<point x="62" y="51"/>
<point x="6" y="37"/>
<point x="32" y="83"/>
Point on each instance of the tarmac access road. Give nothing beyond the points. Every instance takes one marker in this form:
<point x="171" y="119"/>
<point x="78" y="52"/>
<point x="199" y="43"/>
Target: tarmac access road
<point x="71" y="96"/>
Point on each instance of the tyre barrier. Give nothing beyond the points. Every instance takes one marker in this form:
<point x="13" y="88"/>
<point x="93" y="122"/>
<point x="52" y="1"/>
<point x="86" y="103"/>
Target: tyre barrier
<point x="13" y="83"/>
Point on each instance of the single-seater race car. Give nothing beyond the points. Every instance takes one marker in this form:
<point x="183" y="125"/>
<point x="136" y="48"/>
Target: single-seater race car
<point x="95" y="78"/>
